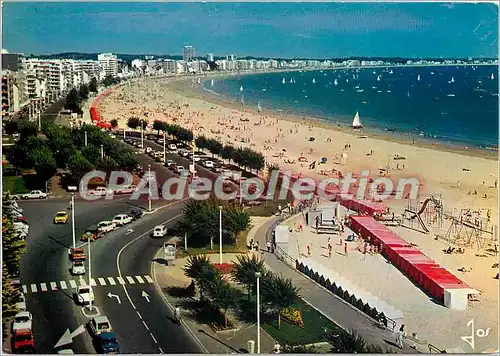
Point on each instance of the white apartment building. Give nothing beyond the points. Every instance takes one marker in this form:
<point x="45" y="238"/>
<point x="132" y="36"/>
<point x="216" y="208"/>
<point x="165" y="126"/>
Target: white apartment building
<point x="14" y="95"/>
<point x="108" y="63"/>
<point x="210" y="57"/>
<point x="188" y="53"/>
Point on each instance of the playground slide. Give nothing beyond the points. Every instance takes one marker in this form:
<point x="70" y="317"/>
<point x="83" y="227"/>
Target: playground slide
<point x="419" y="220"/>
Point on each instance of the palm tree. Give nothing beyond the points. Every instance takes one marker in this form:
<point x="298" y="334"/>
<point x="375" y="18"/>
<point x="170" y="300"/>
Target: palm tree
<point x="279" y="292"/>
<point x="195" y="266"/>
<point x="114" y="123"/>
<point x="348" y="342"/>
<point x="133" y="122"/>
<point x="244" y="271"/>
<point x="223" y="296"/>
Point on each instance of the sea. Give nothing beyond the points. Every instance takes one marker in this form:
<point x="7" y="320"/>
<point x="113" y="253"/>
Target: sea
<point x="457" y="105"/>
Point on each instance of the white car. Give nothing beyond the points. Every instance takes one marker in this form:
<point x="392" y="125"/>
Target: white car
<point x="122" y="219"/>
<point x="99" y="191"/>
<point x="196" y="158"/>
<point x="21" y="226"/>
<point x="78" y="268"/>
<point x="22" y="304"/>
<point x="100" y="324"/>
<point x="148" y="149"/>
<point x="84" y="295"/>
<point x="34" y="194"/>
<point x="159" y="231"/>
<point x="184" y="153"/>
<point x="106" y="226"/>
<point x="180" y="169"/>
<point x="160" y="140"/>
<point x="169" y="162"/>
<point x="172" y="147"/>
<point x="208" y="164"/>
<point x="23" y="320"/>
<point x="126" y="190"/>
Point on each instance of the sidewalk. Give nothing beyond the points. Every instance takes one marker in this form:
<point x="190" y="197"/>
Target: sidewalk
<point x="329" y="305"/>
<point x="225" y="342"/>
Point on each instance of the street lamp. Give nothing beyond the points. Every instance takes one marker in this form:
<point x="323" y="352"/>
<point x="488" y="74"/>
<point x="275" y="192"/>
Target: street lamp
<point x="258" y="274"/>
<point x="73" y="218"/>
<point x="142" y="134"/>
<point x="149" y="187"/>
<point x="164" y="151"/>
<point x="102" y="151"/>
<point x="85" y="138"/>
<point x="220" y="234"/>
<point x="90" y="274"/>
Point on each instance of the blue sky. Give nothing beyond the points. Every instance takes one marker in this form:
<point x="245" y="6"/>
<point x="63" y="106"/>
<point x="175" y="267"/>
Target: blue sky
<point x="320" y="30"/>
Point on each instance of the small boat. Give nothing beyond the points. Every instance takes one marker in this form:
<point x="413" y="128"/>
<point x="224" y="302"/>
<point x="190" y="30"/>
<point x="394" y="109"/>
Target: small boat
<point x="353" y="76"/>
<point x="356" y="87"/>
<point x="335" y="82"/>
<point x="212" y="83"/>
<point x="356" y="123"/>
<point x="378" y="78"/>
<point x="379" y="91"/>
<point x="436" y="98"/>
<point x="492" y="76"/>
<point x="347" y="80"/>
<point x="283" y="80"/>
<point x="291" y="80"/>
<point x="241" y="88"/>
<point x="389" y="91"/>
<point x="451" y="95"/>
<point x="408" y="94"/>
<point x="359" y="90"/>
<point x="452" y="80"/>
<point x="264" y="89"/>
<point x="390" y="72"/>
<point x="418" y="78"/>
<point x="314" y="80"/>
<point x="374" y="87"/>
<point x="374" y="72"/>
<point x="259" y="108"/>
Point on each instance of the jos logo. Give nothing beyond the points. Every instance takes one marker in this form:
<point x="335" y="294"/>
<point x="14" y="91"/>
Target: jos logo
<point x="479" y="333"/>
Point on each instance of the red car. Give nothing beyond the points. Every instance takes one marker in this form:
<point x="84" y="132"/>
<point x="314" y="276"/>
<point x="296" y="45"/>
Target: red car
<point x="23" y="342"/>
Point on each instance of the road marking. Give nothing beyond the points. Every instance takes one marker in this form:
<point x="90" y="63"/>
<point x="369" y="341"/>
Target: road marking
<point x="121" y="280"/>
<point x="63" y="285"/>
<point x="139" y="314"/>
<point x="82" y="282"/>
<point x="72" y="283"/>
<point x="154" y="339"/>
<point x="139" y="279"/>
<point x="111" y="281"/>
<point x="93" y="282"/>
<point x="149" y="279"/>
<point x="144" y="323"/>
<point x="53" y="285"/>
<point x="101" y="281"/>
<point x="130" y="280"/>
<point x="43" y="287"/>
<point x="161" y="351"/>
<point x="33" y="288"/>
<point x="25" y="289"/>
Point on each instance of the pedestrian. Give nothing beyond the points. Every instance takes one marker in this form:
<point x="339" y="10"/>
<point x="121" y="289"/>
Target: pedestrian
<point x="329" y="240"/>
<point x="317" y="224"/>
<point x="345" y="248"/>
<point x="277" y="348"/>
<point x="257" y="247"/>
<point x="268" y="244"/>
<point x="400" y="336"/>
<point x="329" y="250"/>
<point x="309" y="250"/>
<point x="177" y="314"/>
<point x="251" y="244"/>
<point x="279" y="208"/>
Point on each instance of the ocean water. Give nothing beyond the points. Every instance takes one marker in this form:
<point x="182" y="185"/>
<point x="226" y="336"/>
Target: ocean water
<point x="456" y="105"/>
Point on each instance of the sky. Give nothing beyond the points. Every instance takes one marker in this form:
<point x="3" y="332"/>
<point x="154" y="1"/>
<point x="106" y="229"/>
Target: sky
<point x="285" y="30"/>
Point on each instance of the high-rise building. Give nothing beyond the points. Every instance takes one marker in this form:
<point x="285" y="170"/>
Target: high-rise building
<point x="10" y="61"/>
<point x="210" y="57"/>
<point x="14" y="93"/>
<point x="188" y="53"/>
<point x="108" y="63"/>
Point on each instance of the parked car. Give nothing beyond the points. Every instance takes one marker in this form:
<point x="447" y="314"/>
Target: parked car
<point x="99" y="191"/>
<point x="169" y="163"/>
<point x="136" y="214"/>
<point x="61" y="217"/>
<point x="159" y="231"/>
<point x="23" y="342"/>
<point x="107" y="343"/>
<point x="22" y="320"/>
<point x="160" y="141"/>
<point x="149" y="149"/>
<point x="99" y="324"/>
<point x="208" y="164"/>
<point x="77" y="254"/>
<point x="21" y="305"/>
<point x="183" y="152"/>
<point x="92" y="233"/>
<point x="106" y="226"/>
<point x="126" y="190"/>
<point x="180" y="169"/>
<point x="122" y="219"/>
<point x="34" y="194"/>
<point x="172" y="147"/>
<point x="84" y="295"/>
<point x="77" y="268"/>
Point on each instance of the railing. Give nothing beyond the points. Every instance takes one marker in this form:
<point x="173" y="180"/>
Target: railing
<point x="285" y="257"/>
<point x="434" y="350"/>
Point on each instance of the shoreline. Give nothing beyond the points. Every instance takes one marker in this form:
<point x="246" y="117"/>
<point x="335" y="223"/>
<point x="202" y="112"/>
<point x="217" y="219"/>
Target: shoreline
<point x="182" y="86"/>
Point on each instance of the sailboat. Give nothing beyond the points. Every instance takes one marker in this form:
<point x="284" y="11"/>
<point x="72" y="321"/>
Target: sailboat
<point x="291" y="80"/>
<point x="314" y="80"/>
<point x="335" y="82"/>
<point x="347" y="80"/>
<point x="212" y="82"/>
<point x="356" y="123"/>
<point x="452" y="80"/>
<point x="259" y="108"/>
<point x="418" y="78"/>
<point x="241" y="88"/>
<point x="378" y="78"/>
<point x="353" y="76"/>
<point x="283" y="80"/>
<point x="390" y="72"/>
<point x="408" y="94"/>
<point x="492" y="76"/>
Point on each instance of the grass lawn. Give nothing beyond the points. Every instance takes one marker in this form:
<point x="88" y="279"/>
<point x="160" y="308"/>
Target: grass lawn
<point x="13" y="184"/>
<point x="240" y="246"/>
<point x="266" y="208"/>
<point x="313" y="331"/>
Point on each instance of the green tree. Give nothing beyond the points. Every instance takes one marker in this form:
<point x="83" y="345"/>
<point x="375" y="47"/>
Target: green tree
<point x="279" y="292"/>
<point x="73" y="101"/>
<point x="350" y="342"/>
<point x="215" y="147"/>
<point x="10" y="127"/>
<point x="79" y="165"/>
<point x="27" y="129"/>
<point x="223" y="296"/>
<point x="227" y="152"/>
<point x="159" y="125"/>
<point x="114" y="123"/>
<point x="93" y="85"/>
<point x="201" y="142"/>
<point x="13" y="246"/>
<point x="83" y="92"/>
<point x="245" y="269"/>
<point x="202" y="271"/>
<point x="10" y="296"/>
<point x="133" y="122"/>
<point x="43" y="162"/>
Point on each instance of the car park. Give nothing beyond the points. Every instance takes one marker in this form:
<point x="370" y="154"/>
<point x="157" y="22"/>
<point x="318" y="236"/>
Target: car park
<point x="106" y="226"/>
<point x="61" y="217"/>
<point x="23" y="342"/>
<point x="77" y="268"/>
<point x="84" y="295"/>
<point x="107" y="343"/>
<point x="99" y="324"/>
<point x="122" y="219"/>
<point x="22" y="320"/>
<point x="135" y="214"/>
<point x="159" y="231"/>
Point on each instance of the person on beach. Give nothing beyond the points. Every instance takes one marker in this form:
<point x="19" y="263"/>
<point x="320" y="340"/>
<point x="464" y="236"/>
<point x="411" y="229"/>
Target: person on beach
<point x="400" y="336"/>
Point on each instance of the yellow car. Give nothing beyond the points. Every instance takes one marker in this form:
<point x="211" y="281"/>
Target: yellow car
<point x="61" y="217"/>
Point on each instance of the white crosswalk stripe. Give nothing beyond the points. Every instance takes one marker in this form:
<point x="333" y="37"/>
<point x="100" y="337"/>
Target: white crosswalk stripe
<point x="111" y="281"/>
<point x="25" y="289"/>
<point x="33" y="288"/>
<point x="149" y="279"/>
<point x="120" y="280"/>
<point x="63" y="285"/>
<point x="72" y="283"/>
<point x="43" y="287"/>
<point x="93" y="282"/>
<point x="53" y="285"/>
<point x="82" y="282"/>
<point x="102" y="281"/>
<point x="130" y="280"/>
<point x="139" y="279"/>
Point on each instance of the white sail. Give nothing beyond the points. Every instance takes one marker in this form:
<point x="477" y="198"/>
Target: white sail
<point x="408" y="94"/>
<point x="354" y="76"/>
<point x="347" y="80"/>
<point x="259" y="108"/>
<point x="418" y="77"/>
<point x="314" y="80"/>
<point x="378" y="78"/>
<point x="212" y="82"/>
<point x="492" y="76"/>
<point x="291" y="80"/>
<point x="390" y="72"/>
<point x="356" y="123"/>
<point x="335" y="81"/>
<point x="452" y="80"/>
<point x="283" y="80"/>
<point x="241" y="88"/>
